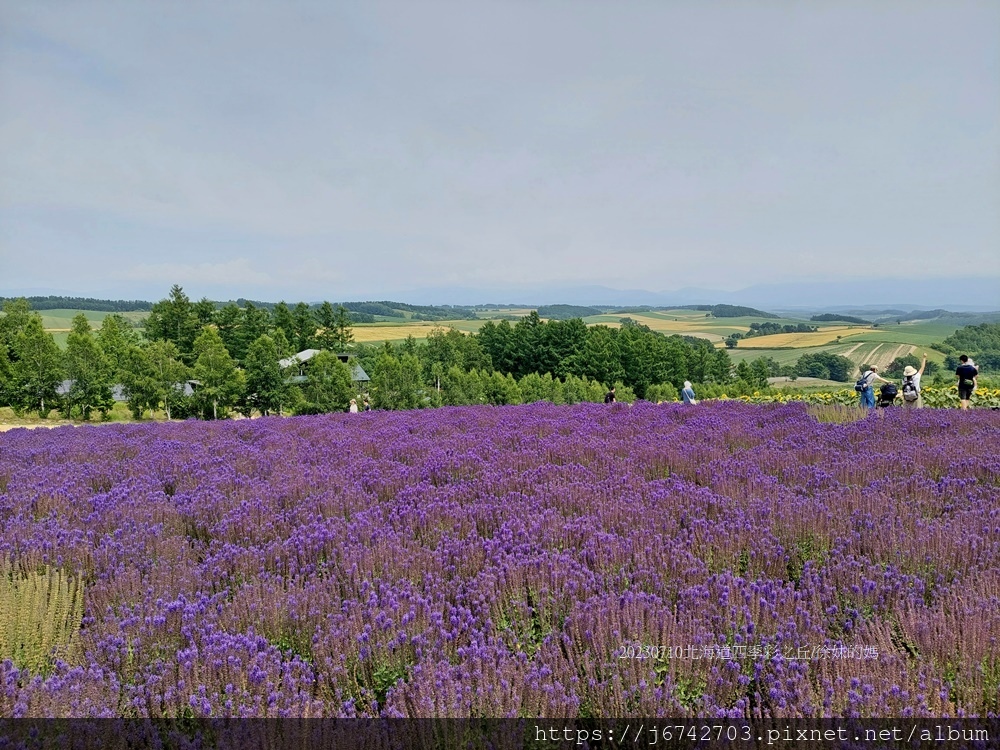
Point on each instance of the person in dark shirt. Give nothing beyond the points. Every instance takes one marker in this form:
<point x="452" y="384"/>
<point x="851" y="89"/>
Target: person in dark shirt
<point x="966" y="373"/>
<point x="609" y="398"/>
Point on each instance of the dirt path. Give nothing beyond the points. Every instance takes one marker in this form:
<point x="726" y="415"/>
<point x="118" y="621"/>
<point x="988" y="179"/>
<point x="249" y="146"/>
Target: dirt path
<point x="33" y="425"/>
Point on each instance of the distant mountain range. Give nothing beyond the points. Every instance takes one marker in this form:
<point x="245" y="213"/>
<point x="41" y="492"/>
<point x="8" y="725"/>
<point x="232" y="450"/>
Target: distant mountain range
<point x="959" y="295"/>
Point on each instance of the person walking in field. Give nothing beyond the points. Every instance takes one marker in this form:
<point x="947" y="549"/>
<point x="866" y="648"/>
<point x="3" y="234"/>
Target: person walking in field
<point x="967" y="374"/>
<point x="609" y="397"/>
<point x="865" y="389"/>
<point x="688" y="393"/>
<point x="911" y="385"/>
<point x="353" y="408"/>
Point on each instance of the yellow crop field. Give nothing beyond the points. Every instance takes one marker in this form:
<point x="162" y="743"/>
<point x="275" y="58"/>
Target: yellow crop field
<point x="365" y="334"/>
<point x="697" y="327"/>
<point x="795" y="340"/>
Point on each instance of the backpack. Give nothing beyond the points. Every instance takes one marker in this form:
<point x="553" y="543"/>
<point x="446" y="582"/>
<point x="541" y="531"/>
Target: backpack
<point x="862" y="384"/>
<point x="910" y="392"/>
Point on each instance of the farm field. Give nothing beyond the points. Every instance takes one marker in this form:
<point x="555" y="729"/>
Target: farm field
<point x="713" y="329"/>
<point x="865" y="346"/>
<point x="506" y="561"/>
<point x="58" y="322"/>
<point x="62" y="320"/>
<point x="366" y="333"/>
<point x="797" y="340"/>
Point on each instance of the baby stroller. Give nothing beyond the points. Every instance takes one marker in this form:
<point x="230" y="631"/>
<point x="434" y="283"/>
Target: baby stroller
<point x="887" y="395"/>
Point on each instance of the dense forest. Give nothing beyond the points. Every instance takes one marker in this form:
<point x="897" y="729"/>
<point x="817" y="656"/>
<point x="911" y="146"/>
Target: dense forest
<point x="837" y="318"/>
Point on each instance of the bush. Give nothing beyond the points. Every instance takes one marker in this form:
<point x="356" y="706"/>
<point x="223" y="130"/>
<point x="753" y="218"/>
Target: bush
<point x="662" y="392"/>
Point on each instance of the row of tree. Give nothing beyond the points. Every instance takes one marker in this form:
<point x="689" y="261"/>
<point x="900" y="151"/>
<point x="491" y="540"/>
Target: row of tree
<point x="180" y="321"/>
<point x="197" y="360"/>
<point x="152" y="375"/>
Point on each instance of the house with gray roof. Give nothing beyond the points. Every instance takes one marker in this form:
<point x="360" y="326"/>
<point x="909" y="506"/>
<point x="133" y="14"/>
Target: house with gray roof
<point x="298" y="364"/>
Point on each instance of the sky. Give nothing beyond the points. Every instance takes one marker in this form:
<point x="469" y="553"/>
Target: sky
<point x="375" y="150"/>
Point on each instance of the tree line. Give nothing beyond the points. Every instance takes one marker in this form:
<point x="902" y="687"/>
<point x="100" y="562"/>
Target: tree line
<point x="53" y="302"/>
<point x="194" y="359"/>
<point x="981" y="342"/>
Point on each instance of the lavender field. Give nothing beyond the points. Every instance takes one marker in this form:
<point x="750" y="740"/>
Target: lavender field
<point x="726" y="560"/>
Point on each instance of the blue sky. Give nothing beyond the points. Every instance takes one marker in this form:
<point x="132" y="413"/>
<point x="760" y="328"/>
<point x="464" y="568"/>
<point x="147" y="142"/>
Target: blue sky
<point x="371" y="150"/>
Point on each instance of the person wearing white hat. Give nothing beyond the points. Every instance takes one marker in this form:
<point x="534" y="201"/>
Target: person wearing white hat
<point x="911" y="385"/>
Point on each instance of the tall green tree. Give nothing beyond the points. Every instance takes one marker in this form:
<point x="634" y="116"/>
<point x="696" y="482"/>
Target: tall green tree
<point x="170" y="374"/>
<point x="138" y="380"/>
<point x="497" y="341"/>
<point x="227" y="322"/>
<point x="460" y="388"/>
<point x="219" y="382"/>
<point x="88" y="369"/>
<point x="305" y="328"/>
<point x="397" y="383"/>
<point x="256" y="323"/>
<point x="451" y="348"/>
<point x="326" y="321"/>
<point x="501" y="390"/>
<point x="204" y="312"/>
<point x="600" y="356"/>
<point x="343" y="328"/>
<point x="284" y="321"/>
<point x="281" y="344"/>
<point x="266" y="389"/>
<point x="174" y="319"/>
<point x="6" y="377"/>
<point x="117" y="337"/>
<point x="36" y="369"/>
<point x="16" y="314"/>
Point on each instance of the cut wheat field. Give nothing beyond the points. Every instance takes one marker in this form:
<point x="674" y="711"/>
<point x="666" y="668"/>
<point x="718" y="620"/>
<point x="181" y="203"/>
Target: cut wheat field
<point x="796" y="340"/>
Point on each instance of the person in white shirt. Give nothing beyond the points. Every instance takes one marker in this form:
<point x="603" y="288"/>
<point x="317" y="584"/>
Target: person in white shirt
<point x="911" y="385"/>
<point x="688" y="393"/>
<point x="354" y="407"/>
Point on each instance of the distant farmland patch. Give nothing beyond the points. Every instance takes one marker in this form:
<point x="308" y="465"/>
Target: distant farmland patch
<point x="795" y="340"/>
<point x="366" y="334"/>
<point x="706" y="328"/>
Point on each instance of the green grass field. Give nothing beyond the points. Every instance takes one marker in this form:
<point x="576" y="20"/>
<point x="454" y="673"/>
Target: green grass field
<point x="59" y="322"/>
<point x="55" y="320"/>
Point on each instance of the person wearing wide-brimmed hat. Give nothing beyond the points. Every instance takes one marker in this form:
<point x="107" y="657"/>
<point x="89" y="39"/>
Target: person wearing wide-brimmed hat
<point x="911" y="385"/>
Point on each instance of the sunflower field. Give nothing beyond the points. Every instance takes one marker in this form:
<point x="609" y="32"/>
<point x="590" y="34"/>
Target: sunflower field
<point x="934" y="397"/>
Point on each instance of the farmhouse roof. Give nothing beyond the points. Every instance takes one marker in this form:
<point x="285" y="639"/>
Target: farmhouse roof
<point x="117" y="390"/>
<point x="296" y="359"/>
<point x="358" y="375"/>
